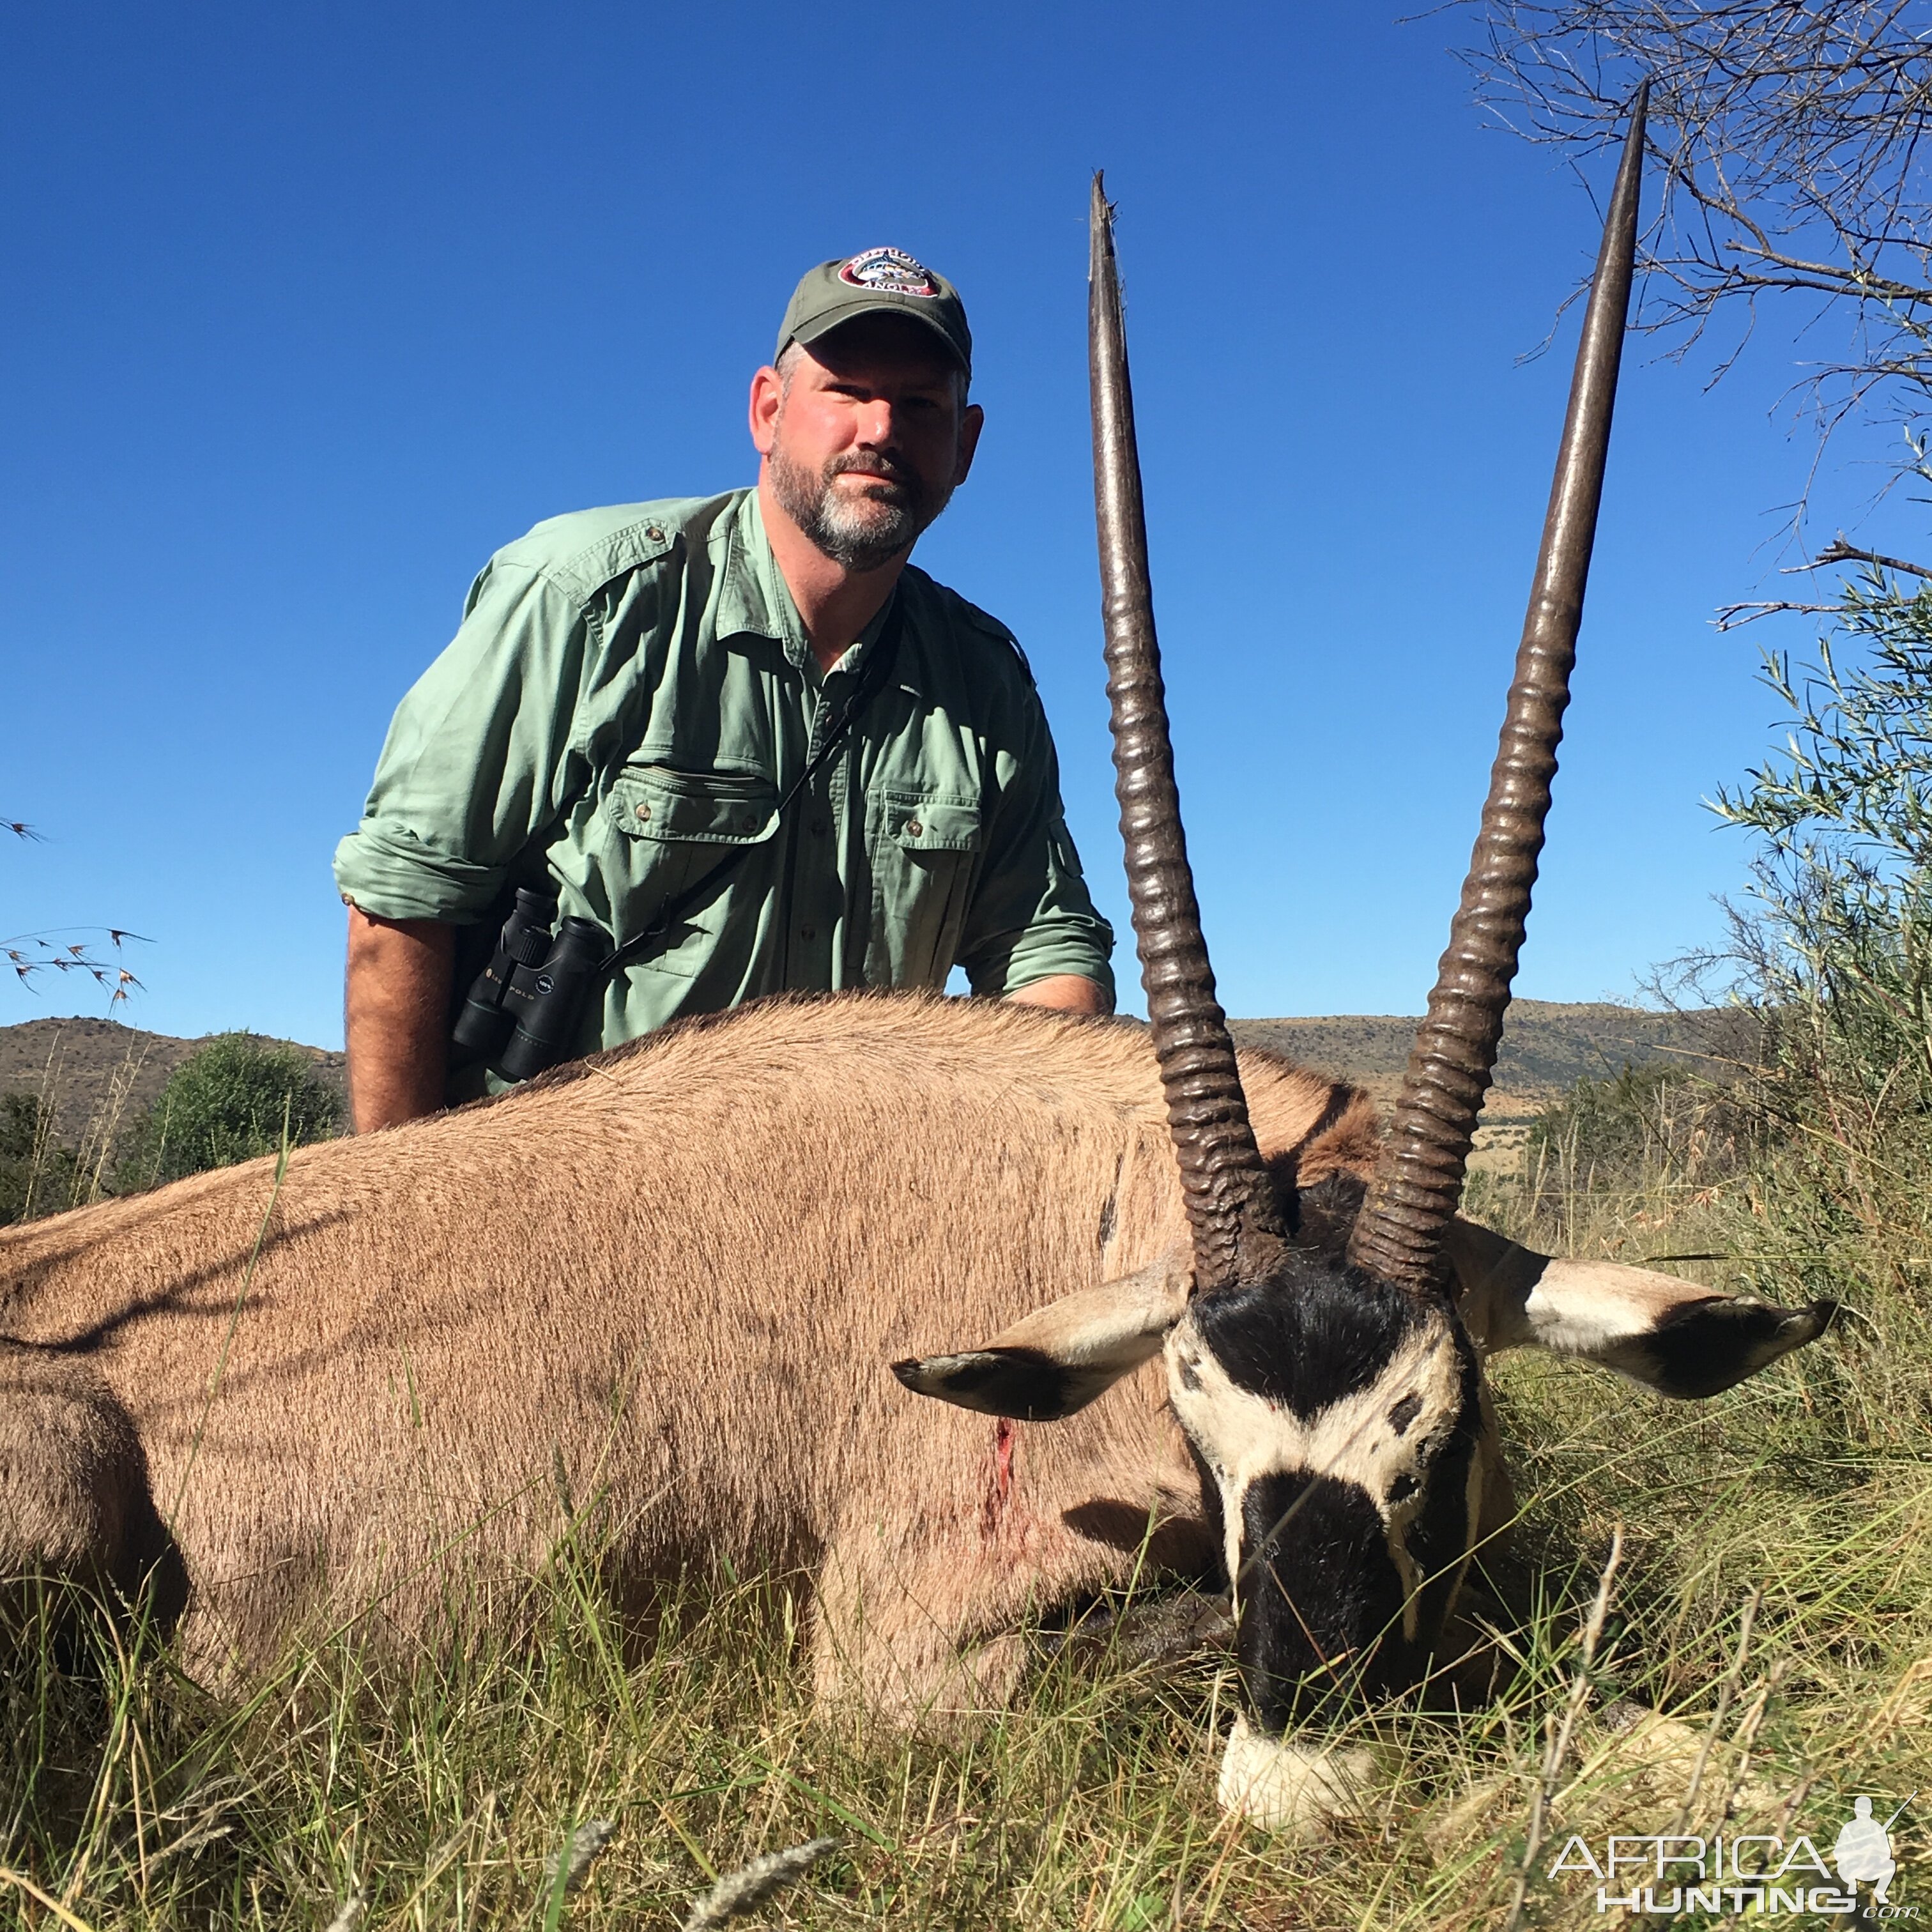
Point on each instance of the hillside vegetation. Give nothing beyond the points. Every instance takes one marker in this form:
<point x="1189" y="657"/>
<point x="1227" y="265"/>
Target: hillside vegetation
<point x="142" y="1109"/>
<point x="83" y="1111"/>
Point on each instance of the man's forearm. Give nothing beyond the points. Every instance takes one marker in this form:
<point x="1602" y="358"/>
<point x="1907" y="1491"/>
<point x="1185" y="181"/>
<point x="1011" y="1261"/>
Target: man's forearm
<point x="396" y="1015"/>
<point x="1065" y="992"/>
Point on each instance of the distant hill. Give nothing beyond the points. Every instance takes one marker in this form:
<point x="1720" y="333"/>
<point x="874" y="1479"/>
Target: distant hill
<point x="97" y="1072"/>
<point x="1548" y="1045"/>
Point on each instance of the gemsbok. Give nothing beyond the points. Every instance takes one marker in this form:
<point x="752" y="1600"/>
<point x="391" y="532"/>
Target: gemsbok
<point x="660" y="1288"/>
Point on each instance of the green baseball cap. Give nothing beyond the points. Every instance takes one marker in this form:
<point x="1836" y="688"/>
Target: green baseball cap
<point x="882" y="281"/>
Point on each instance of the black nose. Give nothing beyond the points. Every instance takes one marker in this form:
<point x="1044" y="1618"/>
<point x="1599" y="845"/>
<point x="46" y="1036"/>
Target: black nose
<point x="1320" y="1598"/>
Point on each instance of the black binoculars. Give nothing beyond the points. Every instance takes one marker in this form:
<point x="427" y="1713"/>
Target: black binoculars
<point x="522" y="1012"/>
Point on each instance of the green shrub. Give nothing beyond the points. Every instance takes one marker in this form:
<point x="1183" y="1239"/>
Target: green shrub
<point x="233" y="1100"/>
<point x="37" y="1174"/>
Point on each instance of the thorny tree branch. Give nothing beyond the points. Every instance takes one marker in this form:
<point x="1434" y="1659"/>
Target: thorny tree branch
<point x="1839" y="551"/>
<point x="1730" y="616"/>
<point x="1788" y="140"/>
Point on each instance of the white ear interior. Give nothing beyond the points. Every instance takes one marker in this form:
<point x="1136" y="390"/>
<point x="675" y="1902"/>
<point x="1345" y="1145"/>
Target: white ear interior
<point x="1060" y="1357"/>
<point x="1116" y="1325"/>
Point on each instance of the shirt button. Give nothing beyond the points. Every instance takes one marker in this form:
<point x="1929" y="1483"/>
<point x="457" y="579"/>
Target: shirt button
<point x="643" y="812"/>
<point x="656" y="534"/>
<point x="913" y="828"/>
<point x="808" y="932"/>
<point x="818" y="828"/>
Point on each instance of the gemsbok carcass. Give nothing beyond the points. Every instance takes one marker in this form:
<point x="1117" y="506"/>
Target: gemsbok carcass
<point x="659" y="1290"/>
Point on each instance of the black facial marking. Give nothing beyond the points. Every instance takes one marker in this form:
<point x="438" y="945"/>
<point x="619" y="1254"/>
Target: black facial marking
<point x="1703" y="1347"/>
<point x="1190" y="1376"/>
<point x="1314" y="1599"/>
<point x="1322" y="1595"/>
<point x="1211" y="1510"/>
<point x="1439" y="1539"/>
<point x="1318" y="1335"/>
<point x="1108" y="1211"/>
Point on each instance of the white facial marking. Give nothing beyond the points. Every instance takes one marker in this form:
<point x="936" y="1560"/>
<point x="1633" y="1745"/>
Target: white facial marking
<point x="1373" y="1439"/>
<point x="1299" y="1788"/>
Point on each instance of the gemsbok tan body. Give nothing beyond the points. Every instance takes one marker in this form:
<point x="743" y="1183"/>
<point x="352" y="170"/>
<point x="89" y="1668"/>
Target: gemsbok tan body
<point x="680" y="1270"/>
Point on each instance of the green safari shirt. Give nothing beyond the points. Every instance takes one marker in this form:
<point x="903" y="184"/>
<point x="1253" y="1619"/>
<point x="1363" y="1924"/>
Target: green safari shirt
<point x="631" y="692"/>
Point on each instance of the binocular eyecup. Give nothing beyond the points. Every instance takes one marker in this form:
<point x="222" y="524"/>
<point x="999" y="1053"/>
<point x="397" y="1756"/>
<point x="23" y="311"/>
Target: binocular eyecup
<point x="522" y="1012"/>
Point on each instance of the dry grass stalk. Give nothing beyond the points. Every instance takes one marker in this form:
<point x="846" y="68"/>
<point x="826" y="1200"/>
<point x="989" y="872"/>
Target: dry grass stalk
<point x="750" y="1885"/>
<point x="1556" y="1753"/>
<point x="1726" y="1690"/>
<point x="53" y="1905"/>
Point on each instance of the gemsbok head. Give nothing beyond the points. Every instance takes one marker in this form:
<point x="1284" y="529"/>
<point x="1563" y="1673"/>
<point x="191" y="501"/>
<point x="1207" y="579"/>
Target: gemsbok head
<point x="1317" y="1364"/>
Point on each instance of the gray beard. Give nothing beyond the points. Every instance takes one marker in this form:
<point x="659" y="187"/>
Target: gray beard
<point x="863" y="536"/>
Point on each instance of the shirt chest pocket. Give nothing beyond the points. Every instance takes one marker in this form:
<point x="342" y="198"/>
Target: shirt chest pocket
<point x="674" y="828"/>
<point x="924" y="848"/>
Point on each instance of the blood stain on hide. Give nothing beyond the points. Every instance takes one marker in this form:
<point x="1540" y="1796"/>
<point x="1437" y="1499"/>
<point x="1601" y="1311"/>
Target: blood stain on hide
<point x="999" y="1480"/>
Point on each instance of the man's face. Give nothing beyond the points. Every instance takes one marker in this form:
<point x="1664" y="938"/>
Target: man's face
<point x="866" y="435"/>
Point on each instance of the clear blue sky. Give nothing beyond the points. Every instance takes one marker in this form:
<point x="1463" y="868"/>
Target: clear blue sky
<point x="311" y="308"/>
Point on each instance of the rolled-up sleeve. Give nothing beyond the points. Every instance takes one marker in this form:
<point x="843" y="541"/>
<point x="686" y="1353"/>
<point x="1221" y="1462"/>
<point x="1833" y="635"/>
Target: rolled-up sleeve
<point x="477" y="759"/>
<point x="1031" y="916"/>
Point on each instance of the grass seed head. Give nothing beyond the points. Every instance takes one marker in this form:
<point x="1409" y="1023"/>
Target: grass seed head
<point x="750" y="1885"/>
<point x="580" y="1854"/>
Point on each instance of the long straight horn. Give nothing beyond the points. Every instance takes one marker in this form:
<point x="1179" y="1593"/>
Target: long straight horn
<point x="1398" y="1234"/>
<point x="1239" y="1230"/>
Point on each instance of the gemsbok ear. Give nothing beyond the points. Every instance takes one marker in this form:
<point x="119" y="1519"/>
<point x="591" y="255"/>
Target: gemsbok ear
<point x="1670" y="1335"/>
<point x="1061" y="1356"/>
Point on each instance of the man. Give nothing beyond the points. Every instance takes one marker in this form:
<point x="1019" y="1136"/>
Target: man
<point x="1863" y="1852"/>
<point x="634" y="690"/>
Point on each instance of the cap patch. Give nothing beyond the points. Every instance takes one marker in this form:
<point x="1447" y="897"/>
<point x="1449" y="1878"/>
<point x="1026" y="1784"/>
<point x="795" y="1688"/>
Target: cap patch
<point x="890" y="270"/>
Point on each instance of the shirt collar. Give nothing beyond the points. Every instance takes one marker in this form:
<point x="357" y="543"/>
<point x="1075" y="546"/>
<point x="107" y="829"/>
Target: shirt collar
<point x="753" y="595"/>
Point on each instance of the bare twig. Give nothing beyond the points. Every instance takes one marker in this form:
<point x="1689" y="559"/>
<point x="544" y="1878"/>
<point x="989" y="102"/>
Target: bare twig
<point x="1787" y="139"/>
<point x="1838" y="551"/>
<point x="1726" y="1690"/>
<point x="1730" y="616"/>
<point x="1556" y="1751"/>
<point x="1747" y="1730"/>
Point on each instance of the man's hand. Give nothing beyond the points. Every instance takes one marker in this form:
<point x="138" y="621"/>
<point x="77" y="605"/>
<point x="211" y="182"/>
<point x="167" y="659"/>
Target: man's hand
<point x="1065" y="992"/>
<point x="396" y="1013"/>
